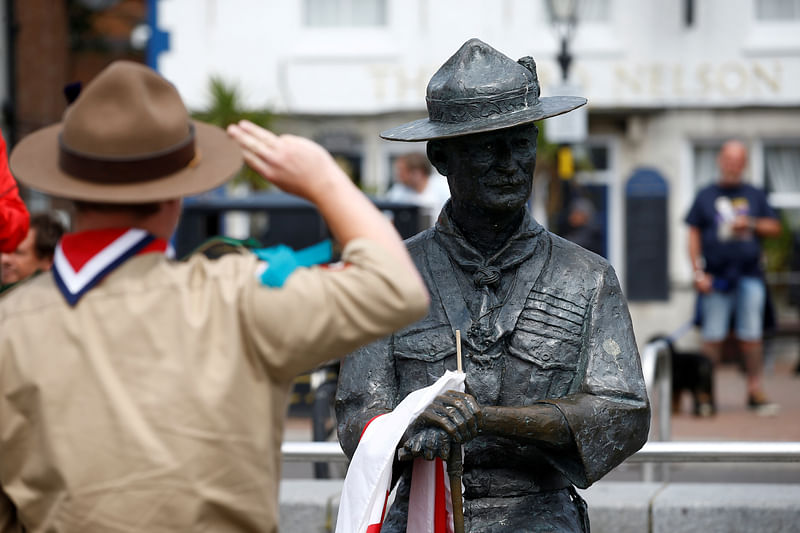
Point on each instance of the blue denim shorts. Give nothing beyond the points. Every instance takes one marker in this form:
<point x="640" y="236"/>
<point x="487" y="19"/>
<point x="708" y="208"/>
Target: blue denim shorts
<point x="746" y="299"/>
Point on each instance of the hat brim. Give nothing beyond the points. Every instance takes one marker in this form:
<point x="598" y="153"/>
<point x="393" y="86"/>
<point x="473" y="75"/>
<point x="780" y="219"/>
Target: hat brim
<point x="34" y="162"/>
<point x="426" y="130"/>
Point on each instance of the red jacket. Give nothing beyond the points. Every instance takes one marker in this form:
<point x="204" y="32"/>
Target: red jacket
<point x="13" y="214"/>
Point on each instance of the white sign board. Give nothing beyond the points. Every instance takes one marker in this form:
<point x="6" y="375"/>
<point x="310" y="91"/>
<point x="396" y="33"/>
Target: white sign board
<point x="569" y="128"/>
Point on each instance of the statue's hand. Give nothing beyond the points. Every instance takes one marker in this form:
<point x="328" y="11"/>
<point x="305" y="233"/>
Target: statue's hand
<point x="428" y="443"/>
<point x="453" y="417"/>
<point x="457" y="413"/>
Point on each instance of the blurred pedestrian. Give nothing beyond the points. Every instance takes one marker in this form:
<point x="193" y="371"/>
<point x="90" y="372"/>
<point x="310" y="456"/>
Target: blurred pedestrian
<point x="35" y="253"/>
<point x="581" y="226"/>
<point x="13" y="214"/>
<point x="144" y="394"/>
<point x="726" y="223"/>
<point x="414" y="184"/>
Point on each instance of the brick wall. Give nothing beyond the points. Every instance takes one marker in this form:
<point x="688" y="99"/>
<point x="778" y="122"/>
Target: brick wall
<point x="42" y="63"/>
<point x="50" y="53"/>
<point x="51" y="50"/>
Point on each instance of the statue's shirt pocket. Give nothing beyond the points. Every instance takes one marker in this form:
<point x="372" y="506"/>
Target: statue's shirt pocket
<point x="545" y="348"/>
<point x="421" y="356"/>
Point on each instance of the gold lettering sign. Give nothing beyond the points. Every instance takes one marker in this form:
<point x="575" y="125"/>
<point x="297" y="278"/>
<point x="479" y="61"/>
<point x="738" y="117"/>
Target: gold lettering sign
<point x="732" y="80"/>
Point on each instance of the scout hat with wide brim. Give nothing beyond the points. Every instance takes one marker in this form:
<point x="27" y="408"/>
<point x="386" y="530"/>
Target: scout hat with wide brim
<point x="127" y="138"/>
<point x="478" y="90"/>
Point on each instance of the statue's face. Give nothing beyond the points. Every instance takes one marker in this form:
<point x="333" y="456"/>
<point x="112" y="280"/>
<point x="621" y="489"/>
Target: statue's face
<point x="493" y="170"/>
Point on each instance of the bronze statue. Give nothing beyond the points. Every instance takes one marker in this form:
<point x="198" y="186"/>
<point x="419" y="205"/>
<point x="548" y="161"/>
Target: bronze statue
<point x="554" y="391"/>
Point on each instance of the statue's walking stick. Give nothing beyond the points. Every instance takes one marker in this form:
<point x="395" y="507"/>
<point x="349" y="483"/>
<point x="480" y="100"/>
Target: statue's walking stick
<point x="454" y="470"/>
<point x="455" y="465"/>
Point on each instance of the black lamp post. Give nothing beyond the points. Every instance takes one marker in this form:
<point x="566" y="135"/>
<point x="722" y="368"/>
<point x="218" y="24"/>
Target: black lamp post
<point x="564" y="16"/>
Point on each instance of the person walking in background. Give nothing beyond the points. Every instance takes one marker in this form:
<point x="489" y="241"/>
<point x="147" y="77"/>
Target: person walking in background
<point x="726" y="222"/>
<point x="155" y="399"/>
<point x="581" y="226"/>
<point x="14" y="216"/>
<point x="415" y="185"/>
<point x="34" y="254"/>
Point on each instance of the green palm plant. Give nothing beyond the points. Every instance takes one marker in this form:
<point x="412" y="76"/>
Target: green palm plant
<point x="225" y="107"/>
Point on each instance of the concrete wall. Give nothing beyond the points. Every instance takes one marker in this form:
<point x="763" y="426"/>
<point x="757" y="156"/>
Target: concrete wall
<point x="614" y="507"/>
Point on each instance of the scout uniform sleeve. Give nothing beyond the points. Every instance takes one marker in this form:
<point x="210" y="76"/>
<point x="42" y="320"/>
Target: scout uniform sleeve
<point x="324" y="313"/>
<point x="608" y="411"/>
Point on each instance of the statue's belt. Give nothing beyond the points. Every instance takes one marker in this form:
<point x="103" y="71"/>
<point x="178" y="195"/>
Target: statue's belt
<point x="481" y="482"/>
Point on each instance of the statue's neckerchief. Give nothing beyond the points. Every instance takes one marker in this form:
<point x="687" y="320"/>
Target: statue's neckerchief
<point x="83" y="259"/>
<point x="493" y="288"/>
<point x="487" y="271"/>
<point x="494" y="291"/>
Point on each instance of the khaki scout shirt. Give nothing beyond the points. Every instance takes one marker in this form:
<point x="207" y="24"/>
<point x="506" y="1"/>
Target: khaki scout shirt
<point x="157" y="403"/>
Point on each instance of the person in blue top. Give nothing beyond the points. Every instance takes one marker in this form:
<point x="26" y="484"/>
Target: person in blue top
<point x="726" y="223"/>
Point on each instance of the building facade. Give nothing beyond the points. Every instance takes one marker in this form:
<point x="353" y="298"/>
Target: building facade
<point x="667" y="83"/>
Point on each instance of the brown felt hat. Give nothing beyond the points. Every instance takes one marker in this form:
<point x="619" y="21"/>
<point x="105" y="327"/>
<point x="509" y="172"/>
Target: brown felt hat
<point x="127" y="138"/>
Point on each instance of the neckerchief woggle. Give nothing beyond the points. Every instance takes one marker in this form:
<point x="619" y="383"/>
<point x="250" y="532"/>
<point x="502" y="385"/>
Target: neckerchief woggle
<point x="83" y="259"/>
<point x="281" y="261"/>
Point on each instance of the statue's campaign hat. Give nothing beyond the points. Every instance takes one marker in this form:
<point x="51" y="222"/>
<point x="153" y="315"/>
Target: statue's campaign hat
<point x="127" y="138"/>
<point x="480" y="89"/>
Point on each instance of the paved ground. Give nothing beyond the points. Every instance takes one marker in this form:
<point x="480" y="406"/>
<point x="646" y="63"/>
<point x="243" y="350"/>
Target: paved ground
<point x="733" y="422"/>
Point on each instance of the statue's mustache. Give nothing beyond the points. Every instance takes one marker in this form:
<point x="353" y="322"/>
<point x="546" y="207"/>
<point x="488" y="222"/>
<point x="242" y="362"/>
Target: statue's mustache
<point x="510" y="175"/>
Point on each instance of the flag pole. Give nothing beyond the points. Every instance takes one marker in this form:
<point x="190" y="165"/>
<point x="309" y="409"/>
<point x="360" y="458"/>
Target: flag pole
<point x="458" y="352"/>
<point x="455" y="466"/>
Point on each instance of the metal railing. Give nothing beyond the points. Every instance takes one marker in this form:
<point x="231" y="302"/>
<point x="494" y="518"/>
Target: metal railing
<point x="651" y="452"/>
<point x="657" y="370"/>
<point x="717" y="452"/>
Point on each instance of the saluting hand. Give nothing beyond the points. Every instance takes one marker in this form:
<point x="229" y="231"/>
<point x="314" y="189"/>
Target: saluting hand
<point x="295" y="164"/>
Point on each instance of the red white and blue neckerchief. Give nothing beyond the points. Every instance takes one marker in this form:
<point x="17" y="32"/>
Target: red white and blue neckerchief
<point x="83" y="259"/>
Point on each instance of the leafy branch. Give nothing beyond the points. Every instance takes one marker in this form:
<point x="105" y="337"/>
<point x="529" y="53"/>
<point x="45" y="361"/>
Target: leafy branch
<point x="226" y="108"/>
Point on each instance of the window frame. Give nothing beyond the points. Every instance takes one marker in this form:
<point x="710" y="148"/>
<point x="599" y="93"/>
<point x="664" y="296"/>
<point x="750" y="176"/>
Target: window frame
<point x="345" y="11"/>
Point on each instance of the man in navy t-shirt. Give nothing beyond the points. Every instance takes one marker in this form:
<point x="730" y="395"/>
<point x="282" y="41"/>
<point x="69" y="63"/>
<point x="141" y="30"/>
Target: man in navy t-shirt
<point x="726" y="222"/>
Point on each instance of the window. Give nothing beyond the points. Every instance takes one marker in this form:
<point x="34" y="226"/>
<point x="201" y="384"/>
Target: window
<point x="587" y="11"/>
<point x="598" y="155"/>
<point x="347" y="150"/>
<point x="704" y="168"/>
<point x="591" y="184"/>
<point x="782" y="178"/>
<point x="776" y="10"/>
<point x="345" y="13"/>
<point x="598" y="11"/>
<point x="782" y="167"/>
<point x="777" y="25"/>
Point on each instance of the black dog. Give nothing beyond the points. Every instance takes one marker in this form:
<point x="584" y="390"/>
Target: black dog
<point x="692" y="372"/>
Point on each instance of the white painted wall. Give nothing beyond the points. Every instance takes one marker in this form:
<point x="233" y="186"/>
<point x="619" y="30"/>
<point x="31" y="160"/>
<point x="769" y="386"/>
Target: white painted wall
<point x="644" y="56"/>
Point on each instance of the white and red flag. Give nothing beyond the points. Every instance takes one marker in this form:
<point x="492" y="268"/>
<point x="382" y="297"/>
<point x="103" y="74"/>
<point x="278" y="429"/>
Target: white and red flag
<point x="365" y="494"/>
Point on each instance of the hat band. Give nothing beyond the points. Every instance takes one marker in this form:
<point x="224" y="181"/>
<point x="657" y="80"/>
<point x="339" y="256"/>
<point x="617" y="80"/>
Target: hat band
<point x="458" y="110"/>
<point x="127" y="169"/>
